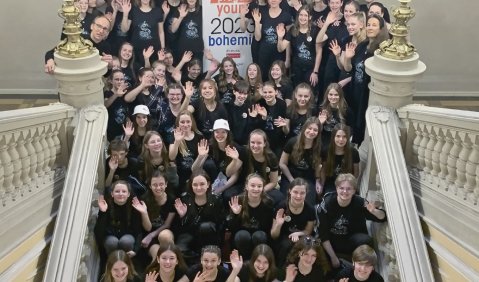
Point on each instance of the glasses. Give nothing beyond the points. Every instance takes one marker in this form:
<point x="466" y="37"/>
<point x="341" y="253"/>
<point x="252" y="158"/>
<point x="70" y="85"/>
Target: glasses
<point x="101" y="27"/>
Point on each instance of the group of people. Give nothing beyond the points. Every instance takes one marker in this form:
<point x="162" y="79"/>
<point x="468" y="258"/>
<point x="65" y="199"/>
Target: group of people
<point x="261" y="167"/>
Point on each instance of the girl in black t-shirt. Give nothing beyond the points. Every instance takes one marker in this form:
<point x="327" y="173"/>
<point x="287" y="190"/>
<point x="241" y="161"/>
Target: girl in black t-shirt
<point x="265" y="22"/>
<point x="187" y="25"/>
<point x="200" y="215"/>
<point x="333" y="110"/>
<point x="127" y="63"/>
<point x="184" y="150"/>
<point x="261" y="160"/>
<point x="209" y="268"/>
<point x="341" y="157"/>
<point x="301" y="158"/>
<point x="145" y="24"/>
<point x="161" y="212"/>
<point x="169" y="110"/>
<point x="207" y="109"/>
<point x="226" y="79"/>
<point x="119" y="268"/>
<point x="255" y="82"/>
<point x="278" y="75"/>
<point x="116" y="106"/>
<point x="251" y="216"/>
<point x="260" y="268"/>
<point x="294" y="218"/>
<point x="306" y="48"/>
<point x="154" y="156"/>
<point x="135" y="130"/>
<point x="299" y="110"/>
<point x="169" y="265"/>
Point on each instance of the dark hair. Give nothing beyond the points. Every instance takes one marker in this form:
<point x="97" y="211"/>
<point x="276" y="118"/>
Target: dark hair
<point x="384" y="11"/>
<point x="284" y="75"/>
<point x="222" y="82"/>
<point x="382" y="35"/>
<point x="268" y="154"/>
<point x="131" y="62"/>
<point x="114" y="222"/>
<point x="347" y="162"/>
<point x="296" y="182"/>
<point x="342" y="105"/>
<point x="293" y="108"/>
<point x="154" y="208"/>
<point x="215" y="148"/>
<point x="211" y="249"/>
<point x="257" y="83"/>
<point x="141" y="72"/>
<point x="113" y="257"/>
<point x="267" y="252"/>
<point x="241" y="86"/>
<point x="305" y="244"/>
<point x="195" y="174"/>
<point x="297" y="153"/>
<point x="117" y="145"/>
<point x="244" y="214"/>
<point x="354" y="3"/>
<point x="295" y="27"/>
<point x="155" y="265"/>
<point x="109" y="84"/>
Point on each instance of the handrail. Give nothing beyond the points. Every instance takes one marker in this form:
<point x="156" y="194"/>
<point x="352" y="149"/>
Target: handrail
<point x="67" y="243"/>
<point x="403" y="219"/>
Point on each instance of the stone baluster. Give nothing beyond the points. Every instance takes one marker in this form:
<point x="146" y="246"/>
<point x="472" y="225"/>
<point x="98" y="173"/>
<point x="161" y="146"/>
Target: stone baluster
<point x="446" y="149"/>
<point x="476" y="188"/>
<point x="7" y="165"/>
<point x="17" y="164"/>
<point x="471" y="166"/>
<point x="452" y="161"/>
<point x="466" y="148"/>
<point x="52" y="147"/>
<point x="37" y="135"/>
<point x="45" y="149"/>
<point x="33" y="156"/>
<point x="431" y="137"/>
<point x="436" y="154"/>
<point x="415" y="145"/>
<point x="57" y="143"/>
<point x="25" y="162"/>
<point x="421" y="151"/>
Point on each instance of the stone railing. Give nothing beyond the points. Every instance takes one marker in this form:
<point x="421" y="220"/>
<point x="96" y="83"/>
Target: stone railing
<point x="33" y="147"/>
<point x="34" y="151"/>
<point x="69" y="259"/>
<point x="442" y="152"/>
<point x="400" y="243"/>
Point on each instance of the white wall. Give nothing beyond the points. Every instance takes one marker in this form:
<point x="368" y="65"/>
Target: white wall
<point x="444" y="32"/>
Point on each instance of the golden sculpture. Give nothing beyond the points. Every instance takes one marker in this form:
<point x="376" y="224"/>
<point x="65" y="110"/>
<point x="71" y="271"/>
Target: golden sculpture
<point x="398" y="47"/>
<point x="74" y="45"/>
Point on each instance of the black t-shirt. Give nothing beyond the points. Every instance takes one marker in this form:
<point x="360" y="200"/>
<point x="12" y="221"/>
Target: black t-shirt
<point x="339" y="223"/>
<point x="190" y="32"/>
<point x="244" y="274"/>
<point x="116" y="37"/>
<point x="117" y="114"/>
<point x="348" y="272"/>
<point x="144" y="28"/>
<point x="285" y="90"/>
<point x="298" y="222"/>
<point x="269" y="37"/>
<point x="333" y="120"/>
<point x="305" y="167"/>
<point x="316" y="275"/>
<point x="166" y="122"/>
<point x="241" y="124"/>
<point x="158" y="214"/>
<point x="264" y="169"/>
<point x="303" y="47"/>
<point x="221" y="276"/>
<point x="184" y="162"/>
<point x="321" y="15"/>
<point x="260" y="218"/>
<point x="205" y="119"/>
<point x="275" y="134"/>
<point x="122" y="173"/>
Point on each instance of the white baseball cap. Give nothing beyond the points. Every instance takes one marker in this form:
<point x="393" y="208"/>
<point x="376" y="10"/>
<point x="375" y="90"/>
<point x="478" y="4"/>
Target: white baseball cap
<point x="221" y="124"/>
<point x="141" y="109"/>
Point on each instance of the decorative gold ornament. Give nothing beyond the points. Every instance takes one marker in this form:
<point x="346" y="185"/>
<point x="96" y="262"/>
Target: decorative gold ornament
<point x="398" y="47"/>
<point x="74" y="45"/>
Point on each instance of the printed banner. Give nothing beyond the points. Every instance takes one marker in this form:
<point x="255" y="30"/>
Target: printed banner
<point x="222" y="33"/>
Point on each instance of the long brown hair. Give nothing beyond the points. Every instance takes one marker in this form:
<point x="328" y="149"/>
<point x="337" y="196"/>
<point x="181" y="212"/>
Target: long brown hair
<point x="267" y="153"/>
<point x="146" y="156"/>
<point x="299" y="146"/>
<point x="305" y="244"/>
<point x="113" y="257"/>
<point x="222" y="82"/>
<point x="155" y="265"/>
<point x="267" y="252"/>
<point x="293" y="108"/>
<point x="244" y="214"/>
<point x="342" y="105"/>
<point x="347" y="162"/>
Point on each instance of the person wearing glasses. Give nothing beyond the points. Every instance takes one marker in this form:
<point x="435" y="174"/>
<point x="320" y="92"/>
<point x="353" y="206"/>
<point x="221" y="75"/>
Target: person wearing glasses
<point x="99" y="32"/>
<point x="342" y="219"/>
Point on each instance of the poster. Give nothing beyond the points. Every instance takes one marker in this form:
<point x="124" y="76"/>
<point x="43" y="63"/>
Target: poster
<point x="222" y="33"/>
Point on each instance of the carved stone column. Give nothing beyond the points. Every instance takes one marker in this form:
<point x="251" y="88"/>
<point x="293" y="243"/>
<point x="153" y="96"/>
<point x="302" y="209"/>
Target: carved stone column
<point x="79" y="79"/>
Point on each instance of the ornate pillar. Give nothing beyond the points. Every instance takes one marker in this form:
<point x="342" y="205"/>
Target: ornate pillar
<point x="78" y="68"/>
